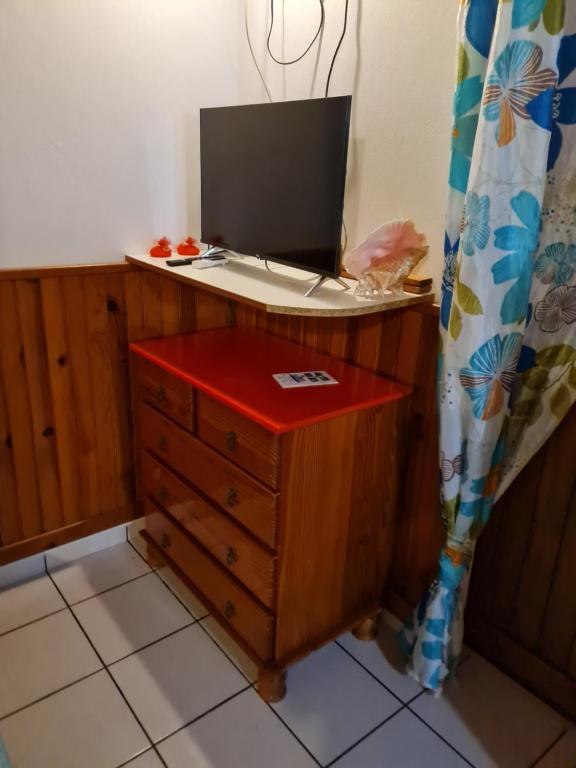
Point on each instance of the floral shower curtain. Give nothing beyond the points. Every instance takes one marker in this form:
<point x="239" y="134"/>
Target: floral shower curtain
<point x="507" y="369"/>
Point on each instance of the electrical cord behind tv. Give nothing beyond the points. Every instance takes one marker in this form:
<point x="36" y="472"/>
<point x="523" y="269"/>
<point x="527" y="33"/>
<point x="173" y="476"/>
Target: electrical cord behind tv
<point x="252" y="54"/>
<point x="298" y="58"/>
<point x="342" y="36"/>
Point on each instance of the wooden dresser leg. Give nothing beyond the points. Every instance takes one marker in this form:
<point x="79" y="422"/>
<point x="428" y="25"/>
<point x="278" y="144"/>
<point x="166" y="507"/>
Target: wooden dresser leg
<point x="367" y="629"/>
<point x="153" y="559"/>
<point x="272" y="686"/>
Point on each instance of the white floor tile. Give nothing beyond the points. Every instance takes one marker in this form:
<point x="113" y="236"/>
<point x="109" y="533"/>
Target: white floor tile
<point x="85" y="546"/>
<point x="332" y="702"/>
<point x="21" y="570"/>
<point x="28" y="601"/>
<point x="95" y="573"/>
<point x="562" y="754"/>
<point x="182" y="592"/>
<point x="176" y="680"/>
<point x="87" y="725"/>
<point x="490" y="719"/>
<point x="147" y="760"/>
<point x="384" y="659"/>
<point x="243" y="733"/>
<point x="231" y="649"/>
<point x="124" y="619"/>
<point x="42" y="657"/>
<point x="402" y="742"/>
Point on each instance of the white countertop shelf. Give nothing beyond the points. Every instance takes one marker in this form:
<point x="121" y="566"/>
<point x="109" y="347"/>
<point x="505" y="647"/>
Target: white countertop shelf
<point x="279" y="289"/>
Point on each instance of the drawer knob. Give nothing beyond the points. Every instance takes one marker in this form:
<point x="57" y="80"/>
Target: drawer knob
<point x="231" y="441"/>
<point x="165" y="541"/>
<point x="162" y="495"/>
<point x="231" y="556"/>
<point x="162" y="443"/>
<point x="229" y="610"/>
<point x="160" y="395"/>
<point x="232" y="499"/>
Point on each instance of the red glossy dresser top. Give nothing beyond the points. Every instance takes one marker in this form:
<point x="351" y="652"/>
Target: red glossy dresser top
<point x="235" y="366"/>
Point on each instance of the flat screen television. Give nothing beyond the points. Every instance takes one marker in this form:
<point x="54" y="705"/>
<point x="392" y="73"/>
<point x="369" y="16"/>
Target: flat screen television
<point x="273" y="178"/>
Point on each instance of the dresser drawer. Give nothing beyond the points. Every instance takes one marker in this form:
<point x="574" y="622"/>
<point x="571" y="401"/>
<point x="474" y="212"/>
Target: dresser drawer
<point x="234" y="549"/>
<point x="247" y="500"/>
<point x="169" y="394"/>
<point x="251" y="622"/>
<point x="241" y="440"/>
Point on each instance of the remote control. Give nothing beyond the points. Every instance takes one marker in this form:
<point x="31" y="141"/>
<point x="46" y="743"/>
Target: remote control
<point x="178" y="262"/>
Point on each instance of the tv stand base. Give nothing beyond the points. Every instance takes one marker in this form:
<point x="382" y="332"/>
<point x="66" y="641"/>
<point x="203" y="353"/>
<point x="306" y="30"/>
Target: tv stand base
<point x="321" y="280"/>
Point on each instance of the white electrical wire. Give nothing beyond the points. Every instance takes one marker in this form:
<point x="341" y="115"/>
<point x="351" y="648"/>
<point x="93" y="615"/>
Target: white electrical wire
<point x="252" y="51"/>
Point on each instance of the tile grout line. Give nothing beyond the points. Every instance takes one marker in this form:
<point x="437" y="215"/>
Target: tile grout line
<point x="548" y="749"/>
<point x="151" y="643"/>
<point x="250" y="686"/>
<point x="196" y="620"/>
<point x="253" y="685"/>
<point x="404" y="705"/>
<point x="169" y="588"/>
<point x="68" y="606"/>
<point x="52" y="693"/>
<point x="295" y="736"/>
<point x="372" y="675"/>
<point x="363" y="738"/>
<point x="113" y="680"/>
<point x="78" y="602"/>
<point x="442" y="738"/>
<point x="217" y="644"/>
<point x="33" y="621"/>
<point x="110" y="589"/>
<point x="199" y="717"/>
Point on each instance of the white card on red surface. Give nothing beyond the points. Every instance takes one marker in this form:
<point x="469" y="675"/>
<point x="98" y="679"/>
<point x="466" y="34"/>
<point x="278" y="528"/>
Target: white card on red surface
<point x="304" y="379"/>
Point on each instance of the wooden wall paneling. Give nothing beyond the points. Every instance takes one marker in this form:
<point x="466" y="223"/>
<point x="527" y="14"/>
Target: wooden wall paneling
<point x="419" y="532"/>
<point x="559" y="625"/>
<point x="43" y="432"/>
<point x="367" y="339"/>
<point x="21" y="428"/>
<point x="134" y="305"/>
<point x="70" y="270"/>
<point x="61" y="394"/>
<point x="553" y="685"/>
<point x="501" y="550"/>
<point x="187" y="308"/>
<point x="85" y="395"/>
<point x="392" y="327"/>
<point x="245" y="316"/>
<point x="110" y="399"/>
<point x="556" y="483"/>
<point x="212" y="311"/>
<point x="120" y="384"/>
<point x="152" y="314"/>
<point x="339" y="338"/>
<point x="49" y="539"/>
<point x="10" y="518"/>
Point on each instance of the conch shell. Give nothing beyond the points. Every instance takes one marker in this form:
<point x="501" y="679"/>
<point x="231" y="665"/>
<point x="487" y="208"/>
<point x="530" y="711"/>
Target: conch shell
<point x="388" y="255"/>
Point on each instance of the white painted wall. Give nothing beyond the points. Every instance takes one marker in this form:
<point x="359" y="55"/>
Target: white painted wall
<point x="100" y="99"/>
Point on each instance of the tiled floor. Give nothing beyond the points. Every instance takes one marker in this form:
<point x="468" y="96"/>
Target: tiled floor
<point x="106" y="663"/>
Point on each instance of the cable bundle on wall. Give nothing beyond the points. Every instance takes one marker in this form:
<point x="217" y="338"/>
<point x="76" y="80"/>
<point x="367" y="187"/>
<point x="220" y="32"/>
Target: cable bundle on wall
<point x="317" y="34"/>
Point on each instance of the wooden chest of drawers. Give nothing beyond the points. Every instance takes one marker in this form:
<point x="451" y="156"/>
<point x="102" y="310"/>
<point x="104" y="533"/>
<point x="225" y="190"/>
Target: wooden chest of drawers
<point x="276" y="506"/>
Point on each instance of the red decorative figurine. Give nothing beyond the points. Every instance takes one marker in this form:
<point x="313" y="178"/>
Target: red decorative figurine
<point x="188" y="247"/>
<point x="162" y="248"/>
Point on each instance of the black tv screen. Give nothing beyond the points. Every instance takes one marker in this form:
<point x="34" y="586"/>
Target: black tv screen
<point x="273" y="179"/>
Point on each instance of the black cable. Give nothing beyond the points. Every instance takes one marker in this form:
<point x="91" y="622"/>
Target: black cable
<point x="287" y="63"/>
<point x="337" y="49"/>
